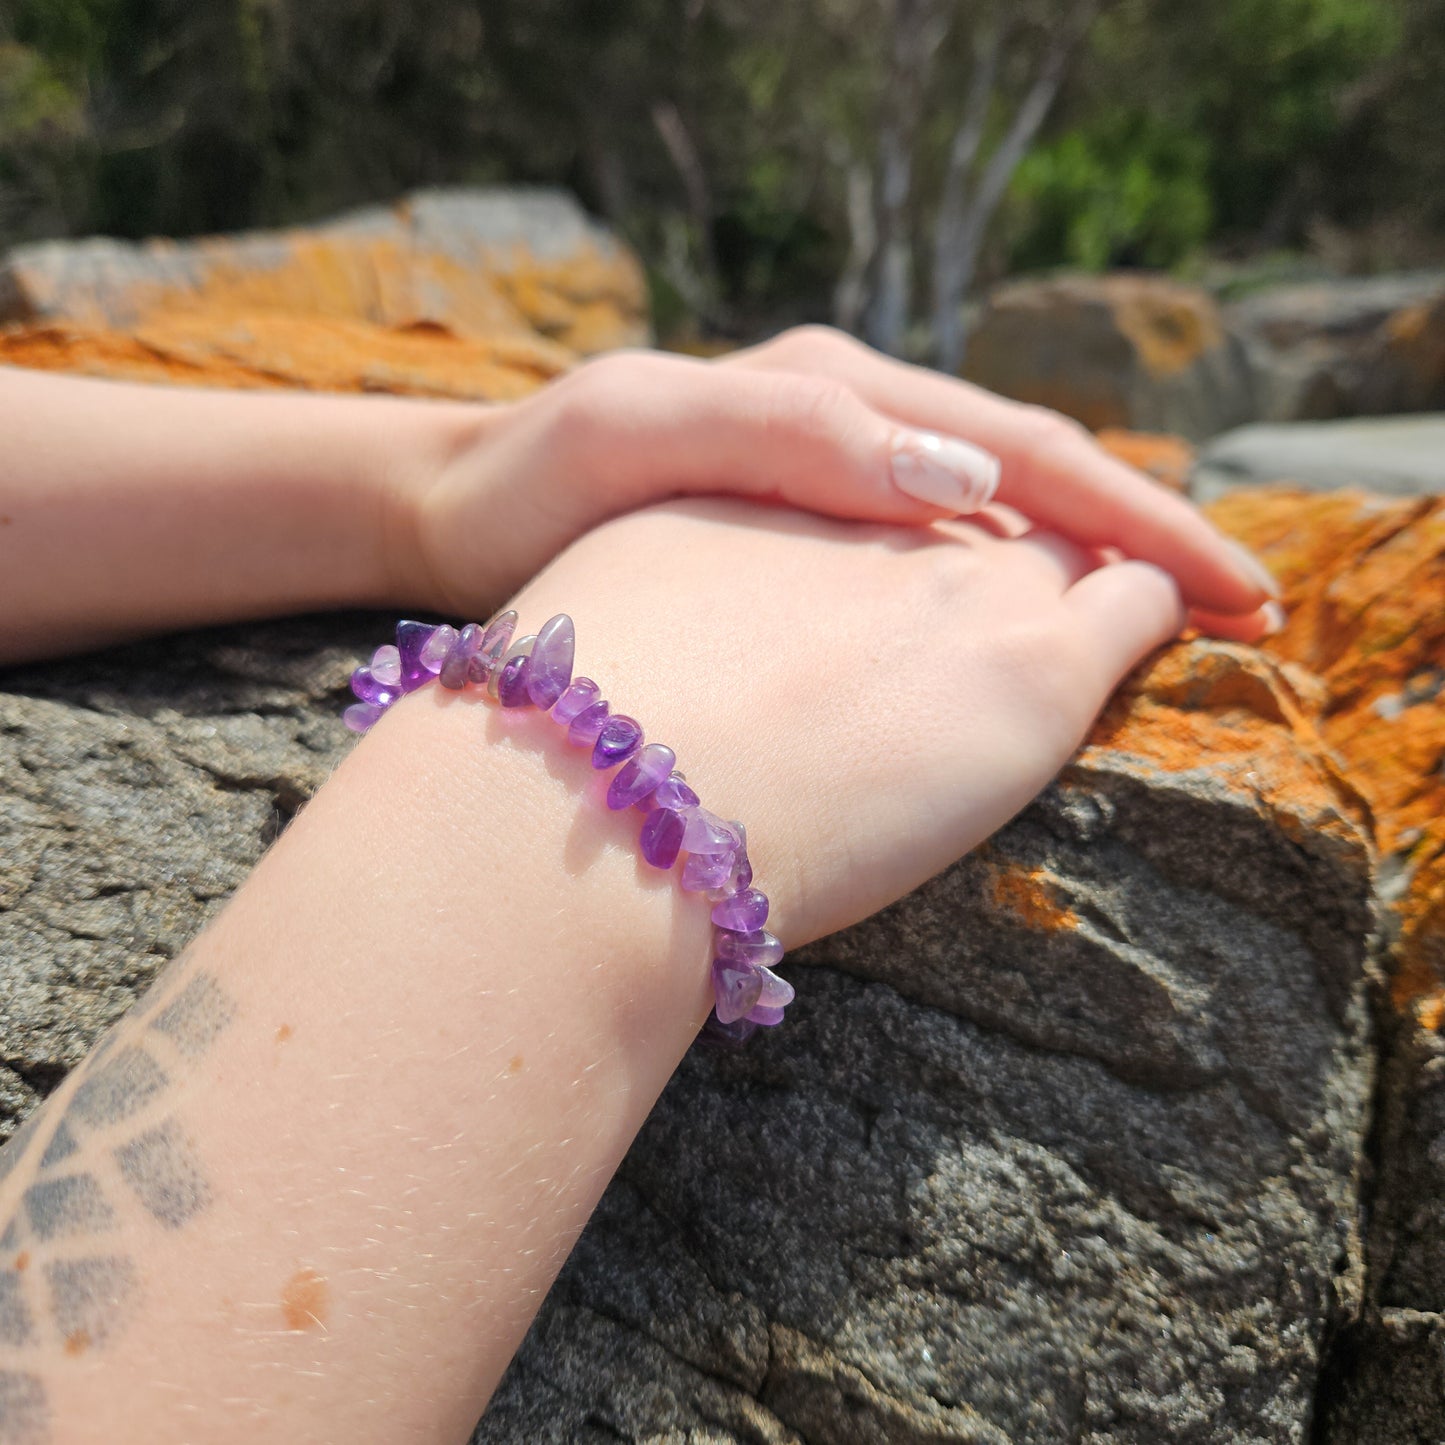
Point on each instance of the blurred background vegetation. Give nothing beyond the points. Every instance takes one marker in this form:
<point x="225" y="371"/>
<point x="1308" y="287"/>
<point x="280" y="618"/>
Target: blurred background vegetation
<point x="867" y="161"/>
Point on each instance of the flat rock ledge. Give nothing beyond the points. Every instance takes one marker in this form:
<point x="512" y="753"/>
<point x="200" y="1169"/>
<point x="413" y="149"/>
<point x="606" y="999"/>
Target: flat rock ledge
<point x="1067" y="1146"/>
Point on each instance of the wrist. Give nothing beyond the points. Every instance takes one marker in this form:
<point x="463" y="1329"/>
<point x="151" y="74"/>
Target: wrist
<point x="537" y="870"/>
<point x="419" y="453"/>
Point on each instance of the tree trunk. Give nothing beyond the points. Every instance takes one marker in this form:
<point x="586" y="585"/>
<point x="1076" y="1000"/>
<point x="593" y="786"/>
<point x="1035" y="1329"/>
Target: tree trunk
<point x="917" y="33"/>
<point x="851" y="293"/>
<point x="685" y="157"/>
<point x="888" y="314"/>
<point x="952" y="268"/>
<point x="956" y="256"/>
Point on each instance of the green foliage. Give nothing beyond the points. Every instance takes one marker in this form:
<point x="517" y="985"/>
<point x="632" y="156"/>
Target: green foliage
<point x="1183" y="126"/>
<point x="1262" y="83"/>
<point x="34" y="100"/>
<point x="1125" y="190"/>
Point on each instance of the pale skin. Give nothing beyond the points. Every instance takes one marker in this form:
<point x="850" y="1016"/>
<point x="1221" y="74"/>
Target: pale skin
<point x="325" y="1182"/>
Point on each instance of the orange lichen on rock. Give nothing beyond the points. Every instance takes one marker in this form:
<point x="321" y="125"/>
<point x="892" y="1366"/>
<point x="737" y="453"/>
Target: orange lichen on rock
<point x="1166" y="458"/>
<point x="1240" y="716"/>
<point x="377" y="280"/>
<point x="1027" y="895"/>
<point x="452" y="294"/>
<point x="1171" y="325"/>
<point x="1364" y="584"/>
<point x="272" y="349"/>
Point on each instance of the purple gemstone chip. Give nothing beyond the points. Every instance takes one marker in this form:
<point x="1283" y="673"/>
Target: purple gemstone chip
<point x="639" y="775"/>
<point x="411" y="638"/>
<point x="736" y="989"/>
<point x="705" y="871"/>
<point x="386" y="664"/>
<point x="661" y="837"/>
<point x="361" y="715"/>
<point x="675" y="793"/>
<point x="493" y="646"/>
<point x="512" y="685"/>
<point x="759" y="948"/>
<point x="742" y="874"/>
<point x="581" y="694"/>
<point x="743" y="913"/>
<point x="588" y="723"/>
<point x="620" y="737"/>
<point x="459" y="660"/>
<point x="707" y="833"/>
<point x="437" y="648"/>
<point x="551" y="667"/>
<point x="777" y="992"/>
<point x="369" y="688"/>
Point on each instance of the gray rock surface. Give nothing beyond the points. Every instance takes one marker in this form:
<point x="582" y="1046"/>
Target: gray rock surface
<point x="1064" y="1147"/>
<point x="1388" y="1385"/>
<point x="1345" y="347"/>
<point x="1397" y="456"/>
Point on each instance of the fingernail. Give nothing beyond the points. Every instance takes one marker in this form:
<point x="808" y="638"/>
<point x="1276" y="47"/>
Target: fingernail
<point x="944" y="471"/>
<point x="1254" y="569"/>
<point x="1274" y="618"/>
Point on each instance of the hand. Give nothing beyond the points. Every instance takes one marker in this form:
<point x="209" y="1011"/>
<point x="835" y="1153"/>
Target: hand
<point x="814" y="420"/>
<point x="871" y="701"/>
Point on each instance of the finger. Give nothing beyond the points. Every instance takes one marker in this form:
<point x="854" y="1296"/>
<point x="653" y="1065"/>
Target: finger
<point x="644" y="427"/>
<point x="1124" y="612"/>
<point x="1000" y="521"/>
<point x="1246" y="627"/>
<point x="1051" y="469"/>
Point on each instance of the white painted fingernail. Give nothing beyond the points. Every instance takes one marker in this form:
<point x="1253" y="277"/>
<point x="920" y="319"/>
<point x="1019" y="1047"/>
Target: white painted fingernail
<point x="1274" y="618"/>
<point x="944" y="471"/>
<point x="1254" y="569"/>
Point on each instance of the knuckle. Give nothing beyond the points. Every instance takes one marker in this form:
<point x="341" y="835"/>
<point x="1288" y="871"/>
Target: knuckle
<point x="813" y="344"/>
<point x="588" y="399"/>
<point x="1046" y="430"/>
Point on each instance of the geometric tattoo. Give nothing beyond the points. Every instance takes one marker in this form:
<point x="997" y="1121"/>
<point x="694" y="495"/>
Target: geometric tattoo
<point x="72" y="1204"/>
<point x="115" y="1149"/>
<point x="195" y="1016"/>
<point x="24" y="1415"/>
<point x="125" y="1082"/>
<point x="16" y="1325"/>
<point x="85" y="1294"/>
<point x="162" y="1167"/>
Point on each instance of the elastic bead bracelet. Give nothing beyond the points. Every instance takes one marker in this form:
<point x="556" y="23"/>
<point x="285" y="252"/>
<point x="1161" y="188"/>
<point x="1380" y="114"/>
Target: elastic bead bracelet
<point x="536" y="671"/>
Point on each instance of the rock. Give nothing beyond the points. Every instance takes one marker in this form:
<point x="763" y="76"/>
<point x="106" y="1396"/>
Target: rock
<point x="1389" y="1388"/>
<point x="1366" y="584"/>
<point x="1396" y="456"/>
<point x="1346" y="347"/>
<point x="1064" y="1146"/>
<point x="450" y="293"/>
<point x="269" y="349"/>
<point x="1123" y="350"/>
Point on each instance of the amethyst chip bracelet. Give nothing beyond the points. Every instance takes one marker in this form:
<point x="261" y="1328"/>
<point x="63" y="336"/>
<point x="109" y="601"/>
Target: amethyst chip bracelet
<point x="536" y="671"/>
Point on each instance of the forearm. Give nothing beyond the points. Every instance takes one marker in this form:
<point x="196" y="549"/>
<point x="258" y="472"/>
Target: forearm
<point x="130" y="509"/>
<point x="399" y="1071"/>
